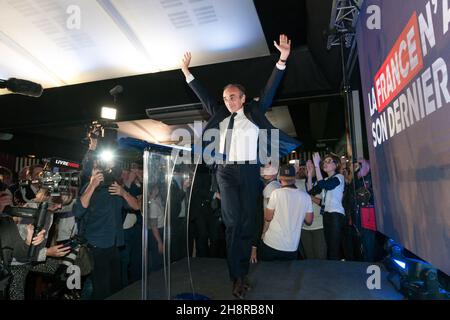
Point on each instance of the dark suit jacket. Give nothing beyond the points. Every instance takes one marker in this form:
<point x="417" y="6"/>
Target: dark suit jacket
<point x="253" y="110"/>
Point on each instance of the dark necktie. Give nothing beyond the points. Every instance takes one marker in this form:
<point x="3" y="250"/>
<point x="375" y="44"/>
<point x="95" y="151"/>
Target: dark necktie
<point x="228" y="135"/>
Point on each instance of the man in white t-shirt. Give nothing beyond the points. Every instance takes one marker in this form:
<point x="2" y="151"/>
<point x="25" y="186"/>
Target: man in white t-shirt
<point x="269" y="174"/>
<point x="287" y="210"/>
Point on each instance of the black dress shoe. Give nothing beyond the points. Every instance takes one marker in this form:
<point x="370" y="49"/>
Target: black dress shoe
<point x="238" y="289"/>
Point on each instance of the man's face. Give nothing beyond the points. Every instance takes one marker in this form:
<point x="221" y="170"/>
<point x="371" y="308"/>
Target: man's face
<point x="233" y="99"/>
<point x="125" y="174"/>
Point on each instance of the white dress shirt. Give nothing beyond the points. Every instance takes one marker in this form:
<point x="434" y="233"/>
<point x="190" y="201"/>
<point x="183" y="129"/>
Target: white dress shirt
<point x="244" y="138"/>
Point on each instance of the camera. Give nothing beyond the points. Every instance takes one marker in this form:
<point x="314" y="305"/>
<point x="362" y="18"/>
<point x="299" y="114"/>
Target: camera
<point x="105" y="134"/>
<point x="104" y="131"/>
<point x="73" y="242"/>
<point x="59" y="181"/>
<point x="110" y="176"/>
<point x="53" y="180"/>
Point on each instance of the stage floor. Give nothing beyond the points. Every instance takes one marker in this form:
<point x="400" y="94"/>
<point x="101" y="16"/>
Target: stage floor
<point x="294" y="280"/>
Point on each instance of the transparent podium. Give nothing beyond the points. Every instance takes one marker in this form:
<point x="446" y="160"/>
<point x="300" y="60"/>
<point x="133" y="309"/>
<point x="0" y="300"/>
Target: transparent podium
<point x="167" y="192"/>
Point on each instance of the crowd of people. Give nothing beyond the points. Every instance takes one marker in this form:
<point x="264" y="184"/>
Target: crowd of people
<point x="299" y="215"/>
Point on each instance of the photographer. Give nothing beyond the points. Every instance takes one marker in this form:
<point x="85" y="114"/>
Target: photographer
<point x="100" y="210"/>
<point x="11" y="243"/>
<point x="12" y="246"/>
<point x="46" y="259"/>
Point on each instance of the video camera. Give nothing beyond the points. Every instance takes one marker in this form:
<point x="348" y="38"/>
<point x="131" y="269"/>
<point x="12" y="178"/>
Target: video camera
<point x="55" y="180"/>
<point x="105" y="132"/>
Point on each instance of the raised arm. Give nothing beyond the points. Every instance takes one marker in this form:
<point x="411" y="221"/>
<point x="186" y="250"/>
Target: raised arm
<point x="209" y="103"/>
<point x="316" y="160"/>
<point x="185" y="62"/>
<point x="309" y="173"/>
<point x="96" y="178"/>
<point x="284" y="46"/>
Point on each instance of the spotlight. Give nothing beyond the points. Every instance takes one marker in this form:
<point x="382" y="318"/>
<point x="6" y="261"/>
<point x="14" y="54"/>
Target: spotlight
<point x="401" y="264"/>
<point x="415" y="279"/>
<point x="109" y="113"/>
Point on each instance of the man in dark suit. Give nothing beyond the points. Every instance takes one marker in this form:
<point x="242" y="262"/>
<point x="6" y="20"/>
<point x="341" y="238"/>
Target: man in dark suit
<point x="240" y="129"/>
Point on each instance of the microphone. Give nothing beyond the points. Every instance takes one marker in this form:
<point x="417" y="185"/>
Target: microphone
<point x="6" y="136"/>
<point x="23" y="87"/>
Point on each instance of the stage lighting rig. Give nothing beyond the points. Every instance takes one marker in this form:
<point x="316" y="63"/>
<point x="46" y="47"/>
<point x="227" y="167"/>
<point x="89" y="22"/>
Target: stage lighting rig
<point x="415" y="279"/>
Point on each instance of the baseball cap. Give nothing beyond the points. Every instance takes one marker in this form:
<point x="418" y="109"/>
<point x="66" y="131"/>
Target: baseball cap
<point x="287" y="170"/>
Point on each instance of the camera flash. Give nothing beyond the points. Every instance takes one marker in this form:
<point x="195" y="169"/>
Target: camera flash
<point x="107" y="156"/>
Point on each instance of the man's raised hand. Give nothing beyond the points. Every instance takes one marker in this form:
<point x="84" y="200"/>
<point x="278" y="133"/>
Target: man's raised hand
<point x="284" y="46"/>
<point x="185" y="62"/>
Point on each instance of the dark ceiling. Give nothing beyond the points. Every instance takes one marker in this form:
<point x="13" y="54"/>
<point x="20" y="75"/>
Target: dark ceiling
<point x="54" y="124"/>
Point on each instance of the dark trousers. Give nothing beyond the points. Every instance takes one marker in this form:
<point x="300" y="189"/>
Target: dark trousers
<point x="267" y="253"/>
<point x="206" y="230"/>
<point x="333" y="225"/>
<point x="131" y="255"/>
<point x="156" y="258"/>
<point x="238" y="185"/>
<point x="368" y="239"/>
<point x="314" y="244"/>
<point x="178" y="239"/>
<point x="106" y="276"/>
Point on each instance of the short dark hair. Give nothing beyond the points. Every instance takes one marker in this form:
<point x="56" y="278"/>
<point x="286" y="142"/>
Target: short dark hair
<point x="240" y="87"/>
